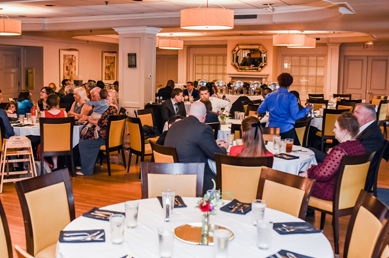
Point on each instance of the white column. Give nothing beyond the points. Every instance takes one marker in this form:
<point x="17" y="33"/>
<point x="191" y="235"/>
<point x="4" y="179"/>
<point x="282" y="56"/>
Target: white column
<point x="182" y="61"/>
<point x="137" y="85"/>
<point x="331" y="84"/>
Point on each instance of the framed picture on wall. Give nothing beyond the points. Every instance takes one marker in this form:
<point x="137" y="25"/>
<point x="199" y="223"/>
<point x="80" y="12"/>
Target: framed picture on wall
<point x="109" y="67"/>
<point x="29" y="78"/>
<point x="68" y="64"/>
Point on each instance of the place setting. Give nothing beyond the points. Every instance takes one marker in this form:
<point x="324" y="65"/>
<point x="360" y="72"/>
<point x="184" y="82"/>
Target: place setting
<point x="82" y="236"/>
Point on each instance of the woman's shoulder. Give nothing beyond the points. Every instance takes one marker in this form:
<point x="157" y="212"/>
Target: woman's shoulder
<point x="235" y="150"/>
<point x="351" y="147"/>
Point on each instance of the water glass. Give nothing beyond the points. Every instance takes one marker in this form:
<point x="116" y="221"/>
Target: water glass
<point x="239" y="142"/>
<point x="117" y="228"/>
<point x="264" y="229"/>
<point x="168" y="198"/>
<point x="236" y="114"/>
<point x="230" y="139"/>
<point x="289" y="145"/>
<point x="241" y="116"/>
<point x="191" y="99"/>
<point x="277" y="143"/>
<point x="221" y="238"/>
<point x="33" y="119"/>
<point x="166" y="240"/>
<point x="21" y="119"/>
<point x="131" y="213"/>
<point x="258" y="207"/>
<point x="282" y="146"/>
<point x="28" y="116"/>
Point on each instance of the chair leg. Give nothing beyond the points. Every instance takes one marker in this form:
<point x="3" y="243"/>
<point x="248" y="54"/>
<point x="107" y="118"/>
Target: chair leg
<point x="42" y="163"/>
<point x="137" y="159"/>
<point x="73" y="168"/>
<point x="322" y="220"/>
<point x="335" y="223"/>
<point x="101" y="160"/>
<point x="385" y="131"/>
<point x="108" y="163"/>
<point x="322" y="145"/>
<point x="124" y="158"/>
<point x="129" y="163"/>
<point x="142" y="158"/>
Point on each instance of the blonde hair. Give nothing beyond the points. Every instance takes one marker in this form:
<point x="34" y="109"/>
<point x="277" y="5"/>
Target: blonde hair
<point x="114" y="96"/>
<point x="82" y="92"/>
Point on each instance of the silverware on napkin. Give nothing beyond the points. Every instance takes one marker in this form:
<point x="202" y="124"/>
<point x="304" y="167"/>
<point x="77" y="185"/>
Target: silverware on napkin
<point x="81" y="238"/>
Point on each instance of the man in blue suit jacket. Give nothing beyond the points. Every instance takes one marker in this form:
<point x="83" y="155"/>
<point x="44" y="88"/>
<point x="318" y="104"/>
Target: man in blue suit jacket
<point x="191" y="91"/>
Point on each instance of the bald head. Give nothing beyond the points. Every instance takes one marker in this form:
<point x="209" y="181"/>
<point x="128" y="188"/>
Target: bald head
<point x="199" y="111"/>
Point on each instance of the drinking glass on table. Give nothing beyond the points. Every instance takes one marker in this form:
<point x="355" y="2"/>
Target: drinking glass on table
<point x="289" y="145"/>
<point x="230" y="139"/>
<point x="117" y="222"/>
<point x="221" y="238"/>
<point x="277" y="143"/>
<point x="168" y="198"/>
<point x="237" y="115"/>
<point x="258" y="207"/>
<point x="166" y="240"/>
<point x="21" y="119"/>
<point x="131" y="213"/>
<point x="264" y="229"/>
<point x="33" y="120"/>
<point x="28" y="116"/>
<point x="282" y="146"/>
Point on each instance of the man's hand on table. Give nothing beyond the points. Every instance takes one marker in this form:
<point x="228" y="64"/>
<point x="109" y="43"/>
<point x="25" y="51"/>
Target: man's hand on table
<point x="222" y="143"/>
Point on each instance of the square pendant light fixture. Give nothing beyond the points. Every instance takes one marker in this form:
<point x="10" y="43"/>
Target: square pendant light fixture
<point x="9" y="27"/>
<point x="308" y="43"/>
<point x="171" y="43"/>
<point x="288" y="40"/>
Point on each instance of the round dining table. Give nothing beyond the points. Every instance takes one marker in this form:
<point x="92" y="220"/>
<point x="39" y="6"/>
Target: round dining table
<point x="35" y="131"/>
<point x="142" y="241"/>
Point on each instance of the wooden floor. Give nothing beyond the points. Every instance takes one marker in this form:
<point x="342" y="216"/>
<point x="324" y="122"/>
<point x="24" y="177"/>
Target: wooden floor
<point x="101" y="190"/>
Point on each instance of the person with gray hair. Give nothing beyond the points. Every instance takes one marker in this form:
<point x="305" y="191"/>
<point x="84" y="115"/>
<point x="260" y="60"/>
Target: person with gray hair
<point x="194" y="141"/>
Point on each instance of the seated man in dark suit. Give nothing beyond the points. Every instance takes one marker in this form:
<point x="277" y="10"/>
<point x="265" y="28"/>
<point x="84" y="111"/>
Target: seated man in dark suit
<point x="194" y="141"/>
<point x="173" y="106"/>
<point x="211" y="116"/>
<point x="191" y="91"/>
<point x="165" y="92"/>
<point x="370" y="136"/>
<point x="170" y="122"/>
<point x="68" y="99"/>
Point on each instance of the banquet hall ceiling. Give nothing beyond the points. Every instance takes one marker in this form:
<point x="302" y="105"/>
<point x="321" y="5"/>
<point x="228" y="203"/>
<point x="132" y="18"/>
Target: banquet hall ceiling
<point x="368" y="17"/>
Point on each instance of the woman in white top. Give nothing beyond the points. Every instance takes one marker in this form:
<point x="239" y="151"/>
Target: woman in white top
<point x="79" y="108"/>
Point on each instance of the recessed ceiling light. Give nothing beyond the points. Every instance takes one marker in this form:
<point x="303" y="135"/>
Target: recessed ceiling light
<point x="22" y="16"/>
<point x="49" y="5"/>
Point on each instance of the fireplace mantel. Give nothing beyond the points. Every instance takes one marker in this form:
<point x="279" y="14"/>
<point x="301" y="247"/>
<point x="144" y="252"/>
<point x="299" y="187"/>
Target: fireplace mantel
<point x="262" y="78"/>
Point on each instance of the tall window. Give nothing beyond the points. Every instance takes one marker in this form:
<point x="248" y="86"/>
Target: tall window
<point x="211" y="67"/>
<point x="307" y="72"/>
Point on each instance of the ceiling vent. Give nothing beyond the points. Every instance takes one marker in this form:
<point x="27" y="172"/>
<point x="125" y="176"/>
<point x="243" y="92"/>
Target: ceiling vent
<point x="246" y="16"/>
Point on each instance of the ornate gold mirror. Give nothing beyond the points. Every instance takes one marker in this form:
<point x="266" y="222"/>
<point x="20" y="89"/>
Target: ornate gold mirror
<point x="249" y="58"/>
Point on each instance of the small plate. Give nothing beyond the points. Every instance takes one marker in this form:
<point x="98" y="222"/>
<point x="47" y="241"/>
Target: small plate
<point x="191" y="233"/>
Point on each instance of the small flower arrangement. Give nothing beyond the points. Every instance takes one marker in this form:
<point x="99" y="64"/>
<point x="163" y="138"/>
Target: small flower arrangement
<point x="223" y="114"/>
<point x="211" y="200"/>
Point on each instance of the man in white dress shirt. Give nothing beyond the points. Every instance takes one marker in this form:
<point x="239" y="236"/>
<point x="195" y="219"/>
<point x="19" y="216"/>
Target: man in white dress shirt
<point x="217" y="104"/>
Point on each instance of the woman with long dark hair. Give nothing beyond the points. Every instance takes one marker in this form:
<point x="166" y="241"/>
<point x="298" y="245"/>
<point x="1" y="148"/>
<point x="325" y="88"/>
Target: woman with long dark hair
<point x="44" y="94"/>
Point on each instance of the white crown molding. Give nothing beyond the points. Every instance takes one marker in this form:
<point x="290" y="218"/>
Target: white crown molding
<point x="138" y="29"/>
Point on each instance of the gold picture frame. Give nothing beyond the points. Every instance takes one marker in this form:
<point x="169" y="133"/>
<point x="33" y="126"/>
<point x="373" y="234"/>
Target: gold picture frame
<point x="68" y="64"/>
<point x="109" y="66"/>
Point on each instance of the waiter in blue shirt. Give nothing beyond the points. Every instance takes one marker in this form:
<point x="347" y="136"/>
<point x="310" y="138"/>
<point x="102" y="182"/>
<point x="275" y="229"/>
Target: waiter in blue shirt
<point x="283" y="108"/>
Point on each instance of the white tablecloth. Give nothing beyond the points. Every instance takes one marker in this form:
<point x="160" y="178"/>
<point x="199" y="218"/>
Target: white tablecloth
<point x="233" y="98"/>
<point x="143" y="240"/>
<point x="34" y="130"/>
<point x="317" y="122"/>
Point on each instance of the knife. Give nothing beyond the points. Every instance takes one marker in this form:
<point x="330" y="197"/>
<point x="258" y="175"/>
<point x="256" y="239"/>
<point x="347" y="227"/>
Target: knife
<point x="236" y="207"/>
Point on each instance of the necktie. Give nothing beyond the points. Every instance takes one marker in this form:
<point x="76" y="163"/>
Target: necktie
<point x="176" y="108"/>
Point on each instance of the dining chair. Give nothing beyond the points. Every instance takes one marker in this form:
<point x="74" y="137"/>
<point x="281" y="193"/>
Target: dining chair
<point x="114" y="139"/>
<point x="252" y="109"/>
<point x="368" y="228"/>
<point x="185" y="179"/>
<point x="342" y="96"/>
<point x="21" y="253"/>
<point x="269" y="132"/>
<point x="329" y="119"/>
<point x="383" y="251"/>
<point x="122" y="111"/>
<point x="302" y="131"/>
<point x="57" y="139"/>
<point x="257" y="101"/>
<point x="349" y="106"/>
<point x="164" y="154"/>
<point x="146" y="117"/>
<point x="381" y="114"/>
<point x="137" y="142"/>
<point x="318" y="103"/>
<point x="377" y="168"/>
<point x="47" y="206"/>
<point x="316" y="96"/>
<point x="236" y="130"/>
<point x="285" y="192"/>
<point x="5" y="237"/>
<point x="351" y="179"/>
<point x="379" y="97"/>
<point x="2" y="132"/>
<point x="240" y="175"/>
<point x="215" y="128"/>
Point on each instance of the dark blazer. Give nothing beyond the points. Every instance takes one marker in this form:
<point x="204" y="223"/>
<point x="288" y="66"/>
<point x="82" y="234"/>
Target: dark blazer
<point x="211" y="117"/>
<point x="161" y="139"/>
<point x="67" y="100"/>
<point x="194" y="142"/>
<point x="167" y="110"/>
<point x="165" y="93"/>
<point x="372" y="139"/>
<point x="8" y="129"/>
<point x="195" y="94"/>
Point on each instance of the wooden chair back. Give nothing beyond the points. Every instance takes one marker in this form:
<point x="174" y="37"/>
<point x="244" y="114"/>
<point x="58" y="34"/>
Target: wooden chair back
<point x="136" y="134"/>
<point x="315" y="96"/>
<point x="329" y="119"/>
<point x="115" y="132"/>
<point x="145" y="116"/>
<point x="269" y="132"/>
<point x="318" y="103"/>
<point x="48" y="207"/>
<point x="382" y="110"/>
<point x="215" y="128"/>
<point x="186" y="179"/>
<point x="236" y="130"/>
<point x="285" y="192"/>
<point x="5" y="237"/>
<point x="349" y="106"/>
<point x="367" y="228"/>
<point x="122" y="111"/>
<point x="21" y="253"/>
<point x="302" y="131"/>
<point x="342" y="96"/>
<point x="252" y="109"/>
<point x="379" y="97"/>
<point x="377" y="168"/>
<point x="164" y="154"/>
<point x="240" y="175"/>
